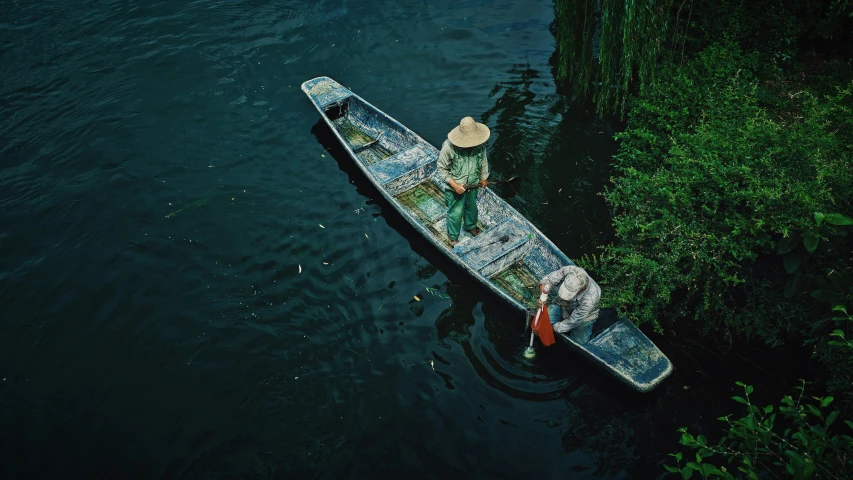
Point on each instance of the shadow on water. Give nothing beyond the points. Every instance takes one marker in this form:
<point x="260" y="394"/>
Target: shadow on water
<point x="563" y="154"/>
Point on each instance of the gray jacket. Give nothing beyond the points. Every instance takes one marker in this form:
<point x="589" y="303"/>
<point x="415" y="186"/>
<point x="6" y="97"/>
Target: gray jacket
<point x="583" y="307"/>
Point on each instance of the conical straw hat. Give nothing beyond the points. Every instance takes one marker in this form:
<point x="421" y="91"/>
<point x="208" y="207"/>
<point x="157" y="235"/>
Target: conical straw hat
<point x="469" y="133"/>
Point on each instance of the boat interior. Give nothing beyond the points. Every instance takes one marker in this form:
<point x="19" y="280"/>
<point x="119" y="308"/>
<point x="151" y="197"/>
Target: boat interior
<point x="507" y="252"/>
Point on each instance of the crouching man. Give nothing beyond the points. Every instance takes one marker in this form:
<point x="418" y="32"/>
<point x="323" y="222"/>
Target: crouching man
<point x="576" y="306"/>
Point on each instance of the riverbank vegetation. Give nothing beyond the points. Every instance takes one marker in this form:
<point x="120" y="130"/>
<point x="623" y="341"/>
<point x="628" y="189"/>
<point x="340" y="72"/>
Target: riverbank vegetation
<point x="800" y="437"/>
<point x="732" y="192"/>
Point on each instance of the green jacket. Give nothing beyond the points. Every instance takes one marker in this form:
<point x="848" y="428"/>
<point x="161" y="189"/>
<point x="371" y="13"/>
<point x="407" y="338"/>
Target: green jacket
<point x="465" y="165"/>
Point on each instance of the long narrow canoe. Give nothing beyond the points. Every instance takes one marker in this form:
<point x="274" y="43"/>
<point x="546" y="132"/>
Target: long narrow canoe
<point x="509" y="256"/>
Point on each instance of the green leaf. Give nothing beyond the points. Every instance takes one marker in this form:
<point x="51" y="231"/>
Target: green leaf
<point x="768" y="409"/>
<point x="810" y="242"/>
<point x="740" y="400"/>
<point x="701" y="440"/>
<point x="794" y="456"/>
<point x="792" y="261"/>
<point x="786" y="244"/>
<point x="818" y="218"/>
<point x="848" y="423"/>
<point x="740" y="384"/>
<point x="671" y="469"/>
<point x="839" y="308"/>
<point x="825" y="401"/>
<point x="686" y="473"/>
<point x="749" y="389"/>
<point x="837" y="219"/>
<point x="679" y="456"/>
<point x="814" y="411"/>
<point x="694" y="465"/>
<point x="837" y="333"/>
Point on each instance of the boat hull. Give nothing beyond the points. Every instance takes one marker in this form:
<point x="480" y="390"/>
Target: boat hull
<point x="508" y="257"/>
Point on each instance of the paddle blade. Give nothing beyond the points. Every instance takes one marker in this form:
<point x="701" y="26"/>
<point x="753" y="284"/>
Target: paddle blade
<point x="542" y="325"/>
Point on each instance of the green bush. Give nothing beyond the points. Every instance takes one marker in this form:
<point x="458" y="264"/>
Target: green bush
<point x="715" y="191"/>
<point x="800" y="438"/>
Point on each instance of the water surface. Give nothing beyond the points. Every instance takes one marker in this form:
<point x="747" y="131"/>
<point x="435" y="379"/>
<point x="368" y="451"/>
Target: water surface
<point x="195" y="283"/>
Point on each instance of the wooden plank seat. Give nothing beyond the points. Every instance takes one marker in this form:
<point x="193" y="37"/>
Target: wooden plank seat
<point x="400" y="164"/>
<point x="493" y="244"/>
<point x="405" y="169"/>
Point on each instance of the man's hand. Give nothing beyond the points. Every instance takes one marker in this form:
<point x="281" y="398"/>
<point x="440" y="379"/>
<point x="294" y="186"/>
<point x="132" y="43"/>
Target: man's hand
<point x="455" y="186"/>
<point x="539" y="303"/>
<point x="484" y="183"/>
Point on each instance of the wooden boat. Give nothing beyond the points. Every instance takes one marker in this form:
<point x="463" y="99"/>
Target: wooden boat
<point x="509" y="256"/>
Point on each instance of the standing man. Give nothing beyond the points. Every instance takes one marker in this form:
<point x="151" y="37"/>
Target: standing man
<point x="462" y="161"/>
<point x="577" y="301"/>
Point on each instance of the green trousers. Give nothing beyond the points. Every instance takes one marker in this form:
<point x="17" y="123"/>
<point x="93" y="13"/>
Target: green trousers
<point x="459" y="206"/>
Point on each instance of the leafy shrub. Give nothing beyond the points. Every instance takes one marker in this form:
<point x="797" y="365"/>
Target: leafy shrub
<point x="712" y="185"/>
<point x="799" y="438"/>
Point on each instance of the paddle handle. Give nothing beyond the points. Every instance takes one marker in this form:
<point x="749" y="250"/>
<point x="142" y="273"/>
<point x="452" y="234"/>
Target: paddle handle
<point x="535" y="324"/>
<point x="472" y="186"/>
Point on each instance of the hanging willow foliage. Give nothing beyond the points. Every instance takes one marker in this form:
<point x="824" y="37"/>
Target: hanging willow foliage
<point x="603" y="46"/>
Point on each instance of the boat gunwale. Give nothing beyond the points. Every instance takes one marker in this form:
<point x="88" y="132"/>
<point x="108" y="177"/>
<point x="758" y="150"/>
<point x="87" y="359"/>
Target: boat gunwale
<point x="432" y="238"/>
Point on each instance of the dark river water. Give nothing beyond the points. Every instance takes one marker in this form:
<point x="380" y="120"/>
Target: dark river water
<point x="195" y="283"/>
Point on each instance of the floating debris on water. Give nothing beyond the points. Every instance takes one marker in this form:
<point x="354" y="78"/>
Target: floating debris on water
<point x="435" y="292"/>
<point x="300" y="268"/>
<point x="360" y="355"/>
<point x="198" y="203"/>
